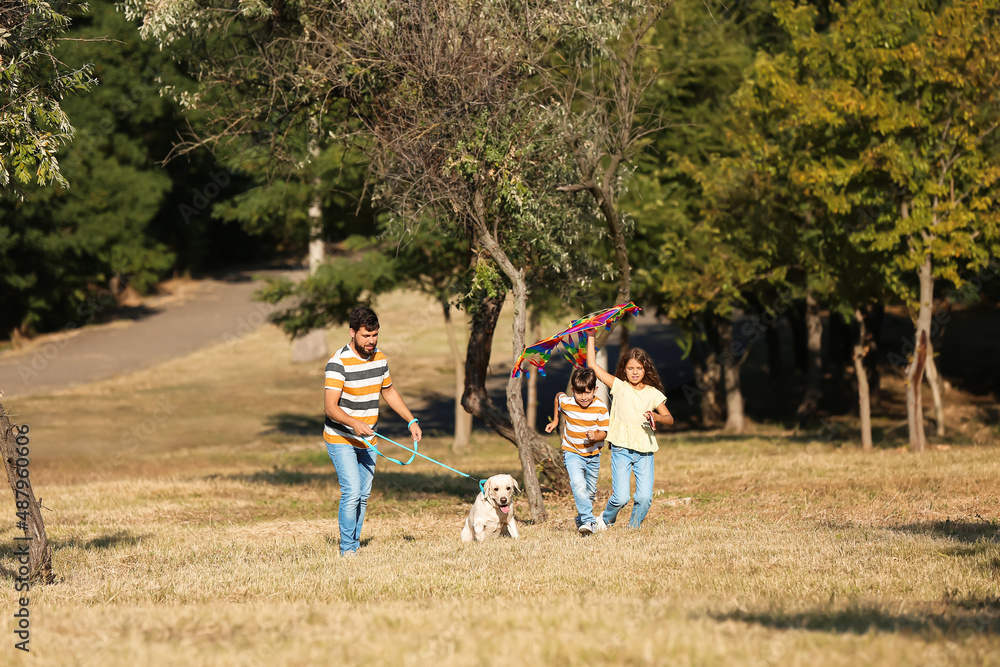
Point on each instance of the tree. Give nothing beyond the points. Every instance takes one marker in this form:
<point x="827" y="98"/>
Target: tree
<point x="33" y="124"/>
<point x="15" y="450"/>
<point x="65" y="247"/>
<point x="597" y="83"/>
<point x="444" y="100"/>
<point x="904" y="104"/>
<point x="694" y="261"/>
<point x="455" y="139"/>
<point x="32" y="127"/>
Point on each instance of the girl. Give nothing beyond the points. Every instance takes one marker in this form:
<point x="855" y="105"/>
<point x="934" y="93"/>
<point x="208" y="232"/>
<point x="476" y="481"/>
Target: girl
<point x="638" y="405"/>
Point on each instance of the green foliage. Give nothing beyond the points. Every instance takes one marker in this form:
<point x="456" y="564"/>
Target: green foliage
<point x="61" y="245"/>
<point x="255" y="93"/>
<point x="438" y="97"/>
<point x="327" y="296"/>
<point x="367" y="268"/>
<point x="893" y="109"/>
<point x="33" y="83"/>
<point x="277" y="207"/>
<point x="693" y="251"/>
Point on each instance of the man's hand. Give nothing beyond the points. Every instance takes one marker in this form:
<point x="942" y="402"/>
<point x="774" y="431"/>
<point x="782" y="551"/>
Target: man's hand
<point x="416" y="433"/>
<point x="363" y="429"/>
<point x="591" y="434"/>
<point x="551" y="426"/>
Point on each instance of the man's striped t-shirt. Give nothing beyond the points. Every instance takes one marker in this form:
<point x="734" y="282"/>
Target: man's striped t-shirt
<point x="577" y="421"/>
<point x="360" y="383"/>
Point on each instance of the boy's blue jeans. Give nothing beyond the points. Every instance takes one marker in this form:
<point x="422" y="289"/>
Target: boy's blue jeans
<point x="583" y="481"/>
<point x="625" y="462"/>
<point x="355" y="470"/>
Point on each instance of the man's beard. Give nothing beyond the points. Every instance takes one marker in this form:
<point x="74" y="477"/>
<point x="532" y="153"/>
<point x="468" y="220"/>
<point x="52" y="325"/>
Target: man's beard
<point x="360" y="349"/>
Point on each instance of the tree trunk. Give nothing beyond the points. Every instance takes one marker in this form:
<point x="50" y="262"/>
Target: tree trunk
<point x="14" y="448"/>
<point x="532" y="407"/>
<point x="874" y="318"/>
<point x="937" y="391"/>
<point x="317" y="248"/>
<point x="606" y="203"/>
<point x="918" y="362"/>
<point x="814" y="370"/>
<point x="708" y="375"/>
<point x="477" y="402"/>
<point x="800" y="336"/>
<point x="515" y="406"/>
<point x="312" y="346"/>
<point x="622" y="341"/>
<point x="475" y="399"/>
<point x="864" y="401"/>
<point x="515" y="400"/>
<point x="463" y="420"/>
<point x="709" y="378"/>
<point x="735" y="418"/>
<point x="776" y="371"/>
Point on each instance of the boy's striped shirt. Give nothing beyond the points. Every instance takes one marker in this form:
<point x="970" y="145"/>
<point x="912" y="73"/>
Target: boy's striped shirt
<point x="577" y="421"/>
<point x="360" y="383"/>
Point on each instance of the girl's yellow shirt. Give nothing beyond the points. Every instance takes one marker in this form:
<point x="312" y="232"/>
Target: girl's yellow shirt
<point x="629" y="428"/>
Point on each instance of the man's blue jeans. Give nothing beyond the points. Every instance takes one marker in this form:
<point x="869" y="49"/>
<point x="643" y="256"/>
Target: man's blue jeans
<point x="583" y="481"/>
<point x="625" y="462"/>
<point x="355" y="470"/>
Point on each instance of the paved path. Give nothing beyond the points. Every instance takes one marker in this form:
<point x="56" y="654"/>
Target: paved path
<point x="206" y="312"/>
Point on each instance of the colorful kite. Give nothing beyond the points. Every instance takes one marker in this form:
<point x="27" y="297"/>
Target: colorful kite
<point x="573" y="339"/>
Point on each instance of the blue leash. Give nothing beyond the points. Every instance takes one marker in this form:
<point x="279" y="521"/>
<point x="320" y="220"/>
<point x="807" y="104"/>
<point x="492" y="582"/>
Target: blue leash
<point x="415" y="453"/>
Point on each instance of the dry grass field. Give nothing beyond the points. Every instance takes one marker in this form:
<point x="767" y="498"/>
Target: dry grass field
<point x="193" y="519"/>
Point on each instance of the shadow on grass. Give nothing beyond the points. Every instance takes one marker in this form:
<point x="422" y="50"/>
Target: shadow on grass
<point x="288" y="423"/>
<point x="949" y="618"/>
<point x="109" y="541"/>
<point x="837" y="437"/>
<point x="437" y="418"/>
<point x="402" y="485"/>
<point x="966" y="532"/>
<point x="388" y="483"/>
<point x="118" y="539"/>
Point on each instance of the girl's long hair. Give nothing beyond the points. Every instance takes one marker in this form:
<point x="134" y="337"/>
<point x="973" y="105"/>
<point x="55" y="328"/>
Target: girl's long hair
<point x="651" y="377"/>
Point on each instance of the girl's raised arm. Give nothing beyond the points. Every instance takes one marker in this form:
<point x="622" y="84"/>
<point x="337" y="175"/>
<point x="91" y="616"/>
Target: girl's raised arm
<point x="602" y="374"/>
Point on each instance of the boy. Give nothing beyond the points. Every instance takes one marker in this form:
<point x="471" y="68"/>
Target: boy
<point x="585" y="426"/>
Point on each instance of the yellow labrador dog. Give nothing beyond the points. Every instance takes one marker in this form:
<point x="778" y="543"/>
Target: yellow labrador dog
<point x="493" y="512"/>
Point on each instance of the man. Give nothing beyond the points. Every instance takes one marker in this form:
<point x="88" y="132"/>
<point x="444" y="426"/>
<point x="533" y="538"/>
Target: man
<point x="355" y="378"/>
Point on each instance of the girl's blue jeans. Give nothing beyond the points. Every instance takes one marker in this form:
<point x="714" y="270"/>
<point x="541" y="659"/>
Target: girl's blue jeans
<point x="625" y="463"/>
<point x="583" y="472"/>
<point x="355" y="470"/>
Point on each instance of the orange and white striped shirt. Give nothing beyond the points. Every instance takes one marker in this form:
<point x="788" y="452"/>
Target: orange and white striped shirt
<point x="360" y="383"/>
<point x="577" y="421"/>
